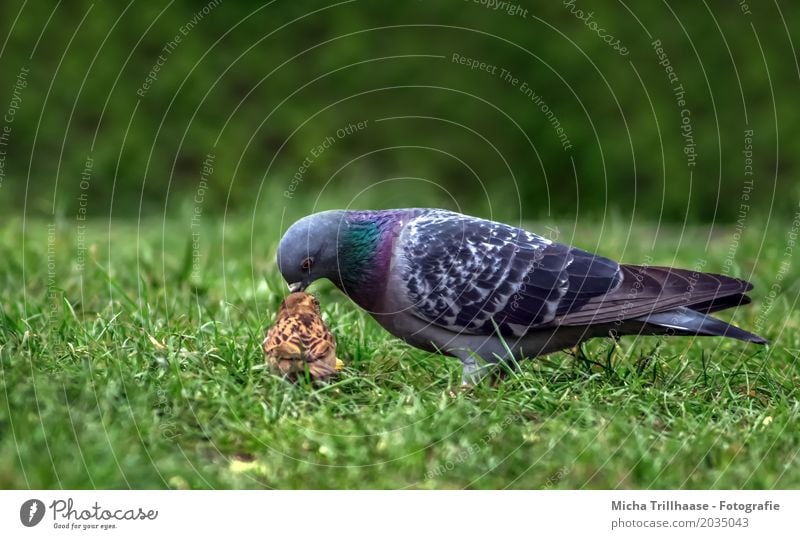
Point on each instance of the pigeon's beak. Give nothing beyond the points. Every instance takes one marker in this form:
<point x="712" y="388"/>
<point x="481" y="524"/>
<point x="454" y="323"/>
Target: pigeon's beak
<point x="298" y="286"/>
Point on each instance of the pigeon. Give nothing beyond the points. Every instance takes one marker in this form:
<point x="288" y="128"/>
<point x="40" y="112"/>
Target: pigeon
<point x="300" y="339"/>
<point x="485" y="292"/>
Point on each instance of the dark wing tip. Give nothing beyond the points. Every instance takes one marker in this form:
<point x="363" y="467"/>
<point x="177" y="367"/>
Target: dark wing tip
<point x="719" y="304"/>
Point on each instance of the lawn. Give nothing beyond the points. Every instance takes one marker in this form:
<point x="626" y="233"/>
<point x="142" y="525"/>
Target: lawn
<point x="127" y="361"/>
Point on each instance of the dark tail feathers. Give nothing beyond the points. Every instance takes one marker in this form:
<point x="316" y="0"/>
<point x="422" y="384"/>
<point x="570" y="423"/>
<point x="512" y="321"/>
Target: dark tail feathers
<point x="685" y="321"/>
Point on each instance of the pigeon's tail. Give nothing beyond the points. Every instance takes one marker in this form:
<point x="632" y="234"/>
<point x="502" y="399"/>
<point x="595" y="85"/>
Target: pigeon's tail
<point x="719" y="304"/>
<point x="684" y="321"/>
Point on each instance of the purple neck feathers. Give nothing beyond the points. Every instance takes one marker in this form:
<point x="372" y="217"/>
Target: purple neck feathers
<point x="365" y="253"/>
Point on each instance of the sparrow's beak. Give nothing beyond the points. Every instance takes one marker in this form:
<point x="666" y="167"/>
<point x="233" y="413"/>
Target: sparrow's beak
<point x="297" y="287"/>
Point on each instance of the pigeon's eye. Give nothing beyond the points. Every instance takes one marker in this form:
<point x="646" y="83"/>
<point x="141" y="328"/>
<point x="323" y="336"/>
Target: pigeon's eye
<point x="307" y="263"/>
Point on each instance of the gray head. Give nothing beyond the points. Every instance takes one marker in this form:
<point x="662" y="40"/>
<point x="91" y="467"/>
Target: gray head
<point x="308" y="250"/>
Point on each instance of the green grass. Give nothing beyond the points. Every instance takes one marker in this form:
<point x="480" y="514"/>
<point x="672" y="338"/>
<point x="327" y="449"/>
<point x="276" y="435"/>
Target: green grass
<point x="136" y="371"/>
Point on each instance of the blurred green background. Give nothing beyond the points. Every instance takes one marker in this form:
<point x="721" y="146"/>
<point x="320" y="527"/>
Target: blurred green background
<point x="260" y="86"/>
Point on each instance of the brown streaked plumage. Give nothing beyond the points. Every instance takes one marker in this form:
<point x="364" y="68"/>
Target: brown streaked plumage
<point x="300" y="339"/>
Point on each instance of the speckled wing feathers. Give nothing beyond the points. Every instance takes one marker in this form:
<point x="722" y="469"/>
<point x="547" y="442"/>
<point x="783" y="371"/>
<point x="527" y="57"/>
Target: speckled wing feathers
<point x="467" y="274"/>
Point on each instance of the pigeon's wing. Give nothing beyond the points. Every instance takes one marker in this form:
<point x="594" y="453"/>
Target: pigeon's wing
<point x="469" y="275"/>
<point x="645" y="290"/>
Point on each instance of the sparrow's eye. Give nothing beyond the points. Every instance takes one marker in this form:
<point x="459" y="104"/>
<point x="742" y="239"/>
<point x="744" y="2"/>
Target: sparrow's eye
<point x="307" y="263"/>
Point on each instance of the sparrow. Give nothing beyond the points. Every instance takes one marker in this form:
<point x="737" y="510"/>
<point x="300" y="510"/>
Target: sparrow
<point x="484" y="291"/>
<point x="300" y="339"/>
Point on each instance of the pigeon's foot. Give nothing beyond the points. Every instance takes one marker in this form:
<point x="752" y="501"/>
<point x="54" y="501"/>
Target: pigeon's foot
<point x="474" y="372"/>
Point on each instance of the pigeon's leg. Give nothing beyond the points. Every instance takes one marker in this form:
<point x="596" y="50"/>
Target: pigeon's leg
<point x="474" y="369"/>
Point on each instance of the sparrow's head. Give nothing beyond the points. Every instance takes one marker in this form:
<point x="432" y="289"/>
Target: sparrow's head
<point x="308" y="250"/>
<point x="297" y="303"/>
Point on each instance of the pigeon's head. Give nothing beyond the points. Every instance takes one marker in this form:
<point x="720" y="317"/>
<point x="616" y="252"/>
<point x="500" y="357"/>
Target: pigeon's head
<point x="307" y="251"/>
